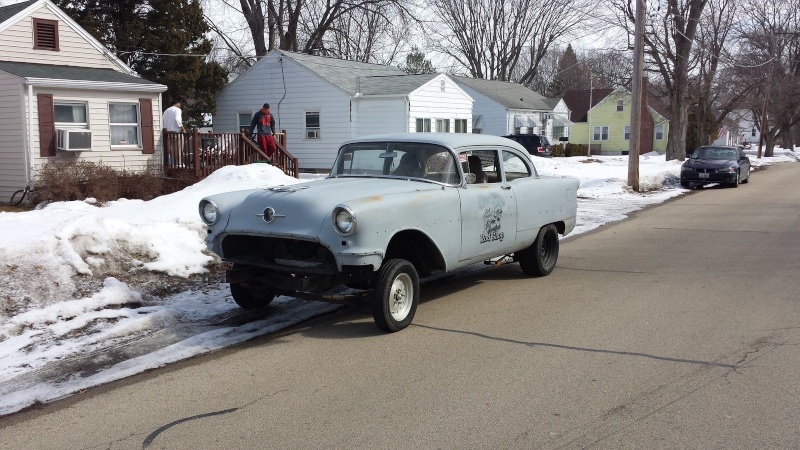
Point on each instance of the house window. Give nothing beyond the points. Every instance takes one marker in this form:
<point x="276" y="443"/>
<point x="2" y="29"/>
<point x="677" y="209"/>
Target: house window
<point x="72" y="115"/>
<point x="626" y="132"/>
<point x="123" y="120"/>
<point x="245" y="118"/>
<point x="659" y="131"/>
<point x="443" y="125"/>
<point x="45" y="34"/>
<point x="441" y="85"/>
<point x="461" y="125"/>
<point x="620" y="105"/>
<point x="600" y="133"/>
<point x="423" y="125"/>
<point x="753" y="133"/>
<point x="477" y="124"/>
<point x="312" y="125"/>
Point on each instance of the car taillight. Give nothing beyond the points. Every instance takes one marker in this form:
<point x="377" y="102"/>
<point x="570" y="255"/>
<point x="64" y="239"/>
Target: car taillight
<point x="540" y="149"/>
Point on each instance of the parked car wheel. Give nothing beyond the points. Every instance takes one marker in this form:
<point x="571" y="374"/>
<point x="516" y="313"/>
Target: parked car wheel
<point x="685" y="184"/>
<point x="746" y="179"/>
<point x="540" y="258"/>
<point x="735" y="182"/>
<point x="395" y="296"/>
<point x="250" y="297"/>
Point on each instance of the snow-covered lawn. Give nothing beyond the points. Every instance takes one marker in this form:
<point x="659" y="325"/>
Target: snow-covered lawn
<point x="91" y="294"/>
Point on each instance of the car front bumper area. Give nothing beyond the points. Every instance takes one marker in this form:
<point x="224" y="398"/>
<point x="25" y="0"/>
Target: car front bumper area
<point x="289" y="266"/>
<point x="696" y="177"/>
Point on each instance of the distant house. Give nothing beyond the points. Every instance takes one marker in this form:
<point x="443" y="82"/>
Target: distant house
<point x="748" y="132"/>
<point x="561" y="118"/>
<point x="502" y="108"/>
<point x="729" y="133"/>
<point x="322" y="102"/>
<point x="602" y="118"/>
<point x="65" y="97"/>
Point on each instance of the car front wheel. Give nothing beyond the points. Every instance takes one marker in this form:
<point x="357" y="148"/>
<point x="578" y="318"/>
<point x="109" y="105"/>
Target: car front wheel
<point x="395" y="295"/>
<point x="735" y="183"/>
<point x="540" y="258"/>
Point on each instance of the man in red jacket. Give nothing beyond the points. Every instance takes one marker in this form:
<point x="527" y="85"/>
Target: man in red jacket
<point x="264" y="125"/>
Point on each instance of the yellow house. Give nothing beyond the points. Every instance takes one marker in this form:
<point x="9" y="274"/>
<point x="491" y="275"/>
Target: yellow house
<point x="606" y="124"/>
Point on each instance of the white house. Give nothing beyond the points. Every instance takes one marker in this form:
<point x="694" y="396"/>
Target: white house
<point x="321" y="102"/>
<point x="503" y="108"/>
<point x="748" y="133"/>
<point x="64" y="96"/>
<point x="561" y="122"/>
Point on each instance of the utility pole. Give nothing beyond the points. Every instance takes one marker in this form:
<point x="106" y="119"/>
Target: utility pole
<point x="636" y="101"/>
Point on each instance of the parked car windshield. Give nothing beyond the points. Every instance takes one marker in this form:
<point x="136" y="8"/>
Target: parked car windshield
<point x="397" y="159"/>
<point x="726" y="154"/>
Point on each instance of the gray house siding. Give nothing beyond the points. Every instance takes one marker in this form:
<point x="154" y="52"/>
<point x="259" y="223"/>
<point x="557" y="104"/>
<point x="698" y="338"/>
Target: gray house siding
<point x="494" y="117"/>
<point x="12" y="136"/>
<point x="291" y="90"/>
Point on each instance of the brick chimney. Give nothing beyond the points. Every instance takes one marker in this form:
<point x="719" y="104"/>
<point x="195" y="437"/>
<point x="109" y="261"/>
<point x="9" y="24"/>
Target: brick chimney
<point x="646" y="135"/>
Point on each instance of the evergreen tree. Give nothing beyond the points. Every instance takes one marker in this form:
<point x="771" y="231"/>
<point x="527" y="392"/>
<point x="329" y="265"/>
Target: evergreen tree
<point x="164" y="41"/>
<point x="568" y="75"/>
<point x="417" y="64"/>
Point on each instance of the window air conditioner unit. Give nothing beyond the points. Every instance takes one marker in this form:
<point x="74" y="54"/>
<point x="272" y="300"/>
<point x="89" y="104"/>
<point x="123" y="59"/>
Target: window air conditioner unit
<point x="73" y="140"/>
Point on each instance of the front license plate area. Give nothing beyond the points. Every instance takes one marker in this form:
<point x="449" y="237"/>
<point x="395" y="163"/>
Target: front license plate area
<point x="703" y="175"/>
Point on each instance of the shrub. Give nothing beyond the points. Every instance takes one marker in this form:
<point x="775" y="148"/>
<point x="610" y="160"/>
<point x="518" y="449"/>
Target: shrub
<point x="78" y="180"/>
<point x="557" y="150"/>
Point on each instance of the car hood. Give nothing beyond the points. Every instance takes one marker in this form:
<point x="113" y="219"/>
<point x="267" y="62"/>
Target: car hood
<point x="709" y="163"/>
<point x="301" y="209"/>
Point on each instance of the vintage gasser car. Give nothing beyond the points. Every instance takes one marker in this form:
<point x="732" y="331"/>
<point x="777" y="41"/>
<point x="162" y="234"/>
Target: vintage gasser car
<point x="394" y="208"/>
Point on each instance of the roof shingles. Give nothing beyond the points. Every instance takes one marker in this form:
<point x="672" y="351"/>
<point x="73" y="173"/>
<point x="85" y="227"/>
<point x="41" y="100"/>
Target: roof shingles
<point x="7" y="12"/>
<point x="56" y="72"/>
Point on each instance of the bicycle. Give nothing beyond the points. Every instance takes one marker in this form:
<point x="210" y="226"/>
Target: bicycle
<point x="18" y="196"/>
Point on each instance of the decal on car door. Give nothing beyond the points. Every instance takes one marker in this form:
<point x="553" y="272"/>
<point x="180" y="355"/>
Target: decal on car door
<point x="492" y="207"/>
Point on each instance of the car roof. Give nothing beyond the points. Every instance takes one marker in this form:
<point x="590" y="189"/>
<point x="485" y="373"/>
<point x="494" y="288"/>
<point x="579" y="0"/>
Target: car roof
<point x="451" y="140"/>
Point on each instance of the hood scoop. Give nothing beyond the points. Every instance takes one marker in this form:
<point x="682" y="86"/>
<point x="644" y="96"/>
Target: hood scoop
<point x="284" y="188"/>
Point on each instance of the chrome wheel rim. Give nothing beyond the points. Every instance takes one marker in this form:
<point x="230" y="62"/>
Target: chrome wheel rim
<point x="401" y="295"/>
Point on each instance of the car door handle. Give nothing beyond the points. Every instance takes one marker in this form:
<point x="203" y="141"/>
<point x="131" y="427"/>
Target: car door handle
<point x="506" y="187"/>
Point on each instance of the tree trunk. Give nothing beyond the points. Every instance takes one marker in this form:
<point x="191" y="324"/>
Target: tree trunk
<point x="679" y="121"/>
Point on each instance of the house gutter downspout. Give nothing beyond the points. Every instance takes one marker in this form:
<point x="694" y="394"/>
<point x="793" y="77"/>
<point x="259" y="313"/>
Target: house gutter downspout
<point x="29" y="153"/>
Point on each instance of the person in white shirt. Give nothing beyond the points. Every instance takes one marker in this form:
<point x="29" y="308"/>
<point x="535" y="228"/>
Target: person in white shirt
<point x="172" y="120"/>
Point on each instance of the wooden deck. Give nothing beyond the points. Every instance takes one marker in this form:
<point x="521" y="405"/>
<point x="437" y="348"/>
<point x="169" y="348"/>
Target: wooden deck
<point x="203" y="153"/>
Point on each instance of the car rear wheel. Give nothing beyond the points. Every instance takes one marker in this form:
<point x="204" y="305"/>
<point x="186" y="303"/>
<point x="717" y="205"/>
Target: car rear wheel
<point x="685" y="184"/>
<point x="540" y="258"/>
<point x="395" y="296"/>
<point x="746" y="179"/>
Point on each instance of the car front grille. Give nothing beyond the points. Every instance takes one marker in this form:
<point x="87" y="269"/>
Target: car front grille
<point x="286" y="255"/>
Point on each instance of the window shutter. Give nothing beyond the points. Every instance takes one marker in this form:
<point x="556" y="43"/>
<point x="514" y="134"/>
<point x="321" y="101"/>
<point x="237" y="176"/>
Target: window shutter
<point x="148" y="140"/>
<point x="45" y="34"/>
<point x="47" y="125"/>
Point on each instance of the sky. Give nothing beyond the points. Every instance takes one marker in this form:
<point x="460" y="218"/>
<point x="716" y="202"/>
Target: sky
<point x="77" y="279"/>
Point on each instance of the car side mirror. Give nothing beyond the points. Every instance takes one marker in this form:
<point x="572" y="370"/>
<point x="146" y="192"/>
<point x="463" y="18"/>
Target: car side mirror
<point x="470" y="178"/>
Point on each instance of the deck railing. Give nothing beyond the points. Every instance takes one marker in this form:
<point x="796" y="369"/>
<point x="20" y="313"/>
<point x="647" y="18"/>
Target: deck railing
<point x="203" y="153"/>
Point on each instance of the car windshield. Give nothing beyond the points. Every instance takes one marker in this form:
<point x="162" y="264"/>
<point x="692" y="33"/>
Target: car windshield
<point x="397" y="159"/>
<point x="726" y="154"/>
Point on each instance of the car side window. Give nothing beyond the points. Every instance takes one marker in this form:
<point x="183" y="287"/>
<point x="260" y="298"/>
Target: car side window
<point x="483" y="164"/>
<point x="514" y="167"/>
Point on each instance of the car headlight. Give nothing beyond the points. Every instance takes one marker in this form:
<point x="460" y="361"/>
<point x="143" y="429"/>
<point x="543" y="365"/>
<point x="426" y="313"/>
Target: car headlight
<point x="344" y="221"/>
<point x="686" y="169"/>
<point x="209" y="212"/>
<point x="727" y="170"/>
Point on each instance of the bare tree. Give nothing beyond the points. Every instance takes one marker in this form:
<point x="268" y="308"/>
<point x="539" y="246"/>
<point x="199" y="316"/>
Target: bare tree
<point x="770" y="41"/>
<point x="670" y="31"/>
<point x="488" y="38"/>
<point x="714" y="100"/>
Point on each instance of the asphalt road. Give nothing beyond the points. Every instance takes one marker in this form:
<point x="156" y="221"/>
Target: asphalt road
<point x="677" y="328"/>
